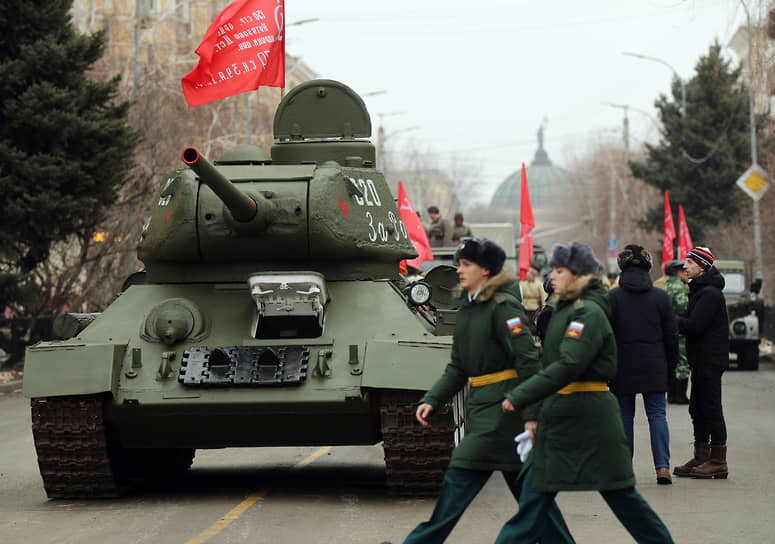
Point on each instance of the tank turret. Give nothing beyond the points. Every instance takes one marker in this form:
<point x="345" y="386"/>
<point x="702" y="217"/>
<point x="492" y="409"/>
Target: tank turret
<point x="319" y="200"/>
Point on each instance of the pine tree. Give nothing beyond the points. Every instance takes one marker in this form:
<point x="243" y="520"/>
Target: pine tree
<point x="65" y="145"/>
<point x="703" y="150"/>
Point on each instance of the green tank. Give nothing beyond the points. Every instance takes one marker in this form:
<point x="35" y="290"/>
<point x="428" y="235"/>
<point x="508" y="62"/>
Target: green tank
<point x="270" y="313"/>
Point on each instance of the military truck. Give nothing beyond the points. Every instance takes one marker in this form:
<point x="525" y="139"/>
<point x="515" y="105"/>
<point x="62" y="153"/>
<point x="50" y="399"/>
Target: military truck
<point x="746" y="311"/>
<point x="270" y="313"/>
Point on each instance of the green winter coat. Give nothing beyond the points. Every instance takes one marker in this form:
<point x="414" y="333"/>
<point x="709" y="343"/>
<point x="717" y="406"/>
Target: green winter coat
<point x="678" y="292"/>
<point x="484" y="343"/>
<point x="580" y="442"/>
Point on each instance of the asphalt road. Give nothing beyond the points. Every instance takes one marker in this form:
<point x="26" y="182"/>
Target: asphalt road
<point x="337" y="495"/>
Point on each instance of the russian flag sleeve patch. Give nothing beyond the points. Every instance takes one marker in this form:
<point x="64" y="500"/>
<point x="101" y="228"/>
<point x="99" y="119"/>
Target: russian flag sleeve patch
<point x="574" y="330"/>
<point x="515" y="325"/>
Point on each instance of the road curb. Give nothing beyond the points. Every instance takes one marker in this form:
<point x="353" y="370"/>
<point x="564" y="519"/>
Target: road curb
<point x="11" y="387"/>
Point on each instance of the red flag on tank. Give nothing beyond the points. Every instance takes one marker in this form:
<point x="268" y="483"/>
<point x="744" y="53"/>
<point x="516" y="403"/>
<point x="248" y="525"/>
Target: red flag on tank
<point x="527" y="223"/>
<point x="684" y="240"/>
<point x="415" y="230"/>
<point x="243" y="49"/>
<point x="668" y="241"/>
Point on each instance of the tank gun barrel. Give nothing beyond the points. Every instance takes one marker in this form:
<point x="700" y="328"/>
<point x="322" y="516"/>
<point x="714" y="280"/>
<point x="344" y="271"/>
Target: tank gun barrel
<point x="242" y="207"/>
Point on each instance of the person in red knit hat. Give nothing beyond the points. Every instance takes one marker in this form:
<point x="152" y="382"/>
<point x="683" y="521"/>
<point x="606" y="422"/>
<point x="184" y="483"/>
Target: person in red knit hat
<point x="706" y="328"/>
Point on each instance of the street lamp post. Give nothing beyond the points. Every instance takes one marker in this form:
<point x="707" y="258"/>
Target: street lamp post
<point x="625" y="125"/>
<point x="675" y="75"/>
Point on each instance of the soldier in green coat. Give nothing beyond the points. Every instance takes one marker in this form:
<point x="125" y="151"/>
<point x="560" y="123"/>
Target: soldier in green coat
<point x="492" y="352"/>
<point x="579" y="440"/>
<point x="678" y="291"/>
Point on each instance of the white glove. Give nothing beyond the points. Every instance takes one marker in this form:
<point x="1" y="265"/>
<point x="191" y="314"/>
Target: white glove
<point x="524" y="444"/>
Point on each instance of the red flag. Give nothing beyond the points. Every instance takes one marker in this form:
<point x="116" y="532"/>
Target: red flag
<point x="684" y="240"/>
<point x="415" y="229"/>
<point x="526" y="227"/>
<point x="668" y="252"/>
<point x="243" y="49"/>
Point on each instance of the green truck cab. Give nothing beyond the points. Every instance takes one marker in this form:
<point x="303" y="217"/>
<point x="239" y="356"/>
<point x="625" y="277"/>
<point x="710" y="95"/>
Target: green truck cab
<point x="745" y="309"/>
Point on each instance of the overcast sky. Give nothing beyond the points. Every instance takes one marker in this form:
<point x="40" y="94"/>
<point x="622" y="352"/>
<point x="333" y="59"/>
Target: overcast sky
<point x="477" y="79"/>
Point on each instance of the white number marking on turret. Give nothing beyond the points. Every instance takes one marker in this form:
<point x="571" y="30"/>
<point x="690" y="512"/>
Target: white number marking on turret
<point x="372" y="230"/>
<point x="365" y="190"/>
<point x="368" y="192"/>
<point x="168" y="183"/>
<point x="383" y="235"/>
<point x="373" y="191"/>
<point x="358" y="199"/>
<point x="146" y="224"/>
<point x="165" y="200"/>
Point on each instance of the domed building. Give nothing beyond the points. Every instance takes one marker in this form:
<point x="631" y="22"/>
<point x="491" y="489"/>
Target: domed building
<point x="551" y="195"/>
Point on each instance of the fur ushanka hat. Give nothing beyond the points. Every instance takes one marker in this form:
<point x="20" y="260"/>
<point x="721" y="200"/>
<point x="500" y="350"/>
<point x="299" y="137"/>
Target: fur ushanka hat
<point x="483" y="252"/>
<point x="634" y="255"/>
<point x="575" y="256"/>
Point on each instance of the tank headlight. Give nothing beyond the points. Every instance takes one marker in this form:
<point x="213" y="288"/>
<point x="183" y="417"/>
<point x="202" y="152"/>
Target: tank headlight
<point x="738" y="327"/>
<point x="419" y="293"/>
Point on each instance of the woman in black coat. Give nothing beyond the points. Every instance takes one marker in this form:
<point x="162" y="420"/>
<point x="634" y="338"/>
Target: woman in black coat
<point x="646" y="334"/>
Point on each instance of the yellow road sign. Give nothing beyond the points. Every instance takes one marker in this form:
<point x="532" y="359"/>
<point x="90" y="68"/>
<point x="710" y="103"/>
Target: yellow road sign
<point x="753" y="182"/>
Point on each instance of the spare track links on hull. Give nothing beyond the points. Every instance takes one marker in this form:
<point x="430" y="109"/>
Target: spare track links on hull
<point x="72" y="447"/>
<point x="416" y="457"/>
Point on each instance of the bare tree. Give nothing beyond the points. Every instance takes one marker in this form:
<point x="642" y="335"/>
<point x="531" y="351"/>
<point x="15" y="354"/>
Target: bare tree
<point x="87" y="272"/>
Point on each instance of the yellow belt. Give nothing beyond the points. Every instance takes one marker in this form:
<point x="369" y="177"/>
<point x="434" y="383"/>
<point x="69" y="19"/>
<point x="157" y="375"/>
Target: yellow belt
<point x="487" y="379"/>
<point x="576" y="387"/>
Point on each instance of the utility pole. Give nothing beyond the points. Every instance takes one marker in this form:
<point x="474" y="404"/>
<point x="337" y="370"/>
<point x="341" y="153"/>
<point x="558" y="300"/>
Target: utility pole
<point x="613" y="243"/>
<point x="757" y="231"/>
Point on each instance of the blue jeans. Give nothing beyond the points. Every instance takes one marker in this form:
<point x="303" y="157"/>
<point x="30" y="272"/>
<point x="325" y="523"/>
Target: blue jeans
<point x="654" y="403"/>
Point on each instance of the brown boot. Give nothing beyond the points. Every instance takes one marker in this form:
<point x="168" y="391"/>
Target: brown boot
<point x="663" y="476"/>
<point x="715" y="467"/>
<point x="701" y="454"/>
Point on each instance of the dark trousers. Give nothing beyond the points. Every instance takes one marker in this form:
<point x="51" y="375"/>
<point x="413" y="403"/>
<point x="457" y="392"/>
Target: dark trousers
<point x="530" y="523"/>
<point x="705" y="406"/>
<point x="459" y="489"/>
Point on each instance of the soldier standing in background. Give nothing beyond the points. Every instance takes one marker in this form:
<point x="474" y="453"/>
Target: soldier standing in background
<point x="533" y="295"/>
<point x="438" y="230"/>
<point x="678" y="291"/>
<point x="460" y="230"/>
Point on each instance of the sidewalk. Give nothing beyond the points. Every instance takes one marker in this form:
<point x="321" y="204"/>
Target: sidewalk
<point x="10" y="381"/>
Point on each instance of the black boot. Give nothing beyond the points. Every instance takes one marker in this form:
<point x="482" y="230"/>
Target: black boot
<point x="680" y="391"/>
<point x="672" y="388"/>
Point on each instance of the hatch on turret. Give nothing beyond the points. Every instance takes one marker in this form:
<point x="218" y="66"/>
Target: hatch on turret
<point x="321" y="108"/>
<point x="323" y="120"/>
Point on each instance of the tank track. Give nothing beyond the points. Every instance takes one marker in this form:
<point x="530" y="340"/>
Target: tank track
<point x="72" y="447"/>
<point x="416" y="457"/>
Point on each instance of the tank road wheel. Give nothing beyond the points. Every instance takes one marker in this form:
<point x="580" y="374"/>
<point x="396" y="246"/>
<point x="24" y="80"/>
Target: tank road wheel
<point x="416" y="457"/>
<point x="70" y="440"/>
